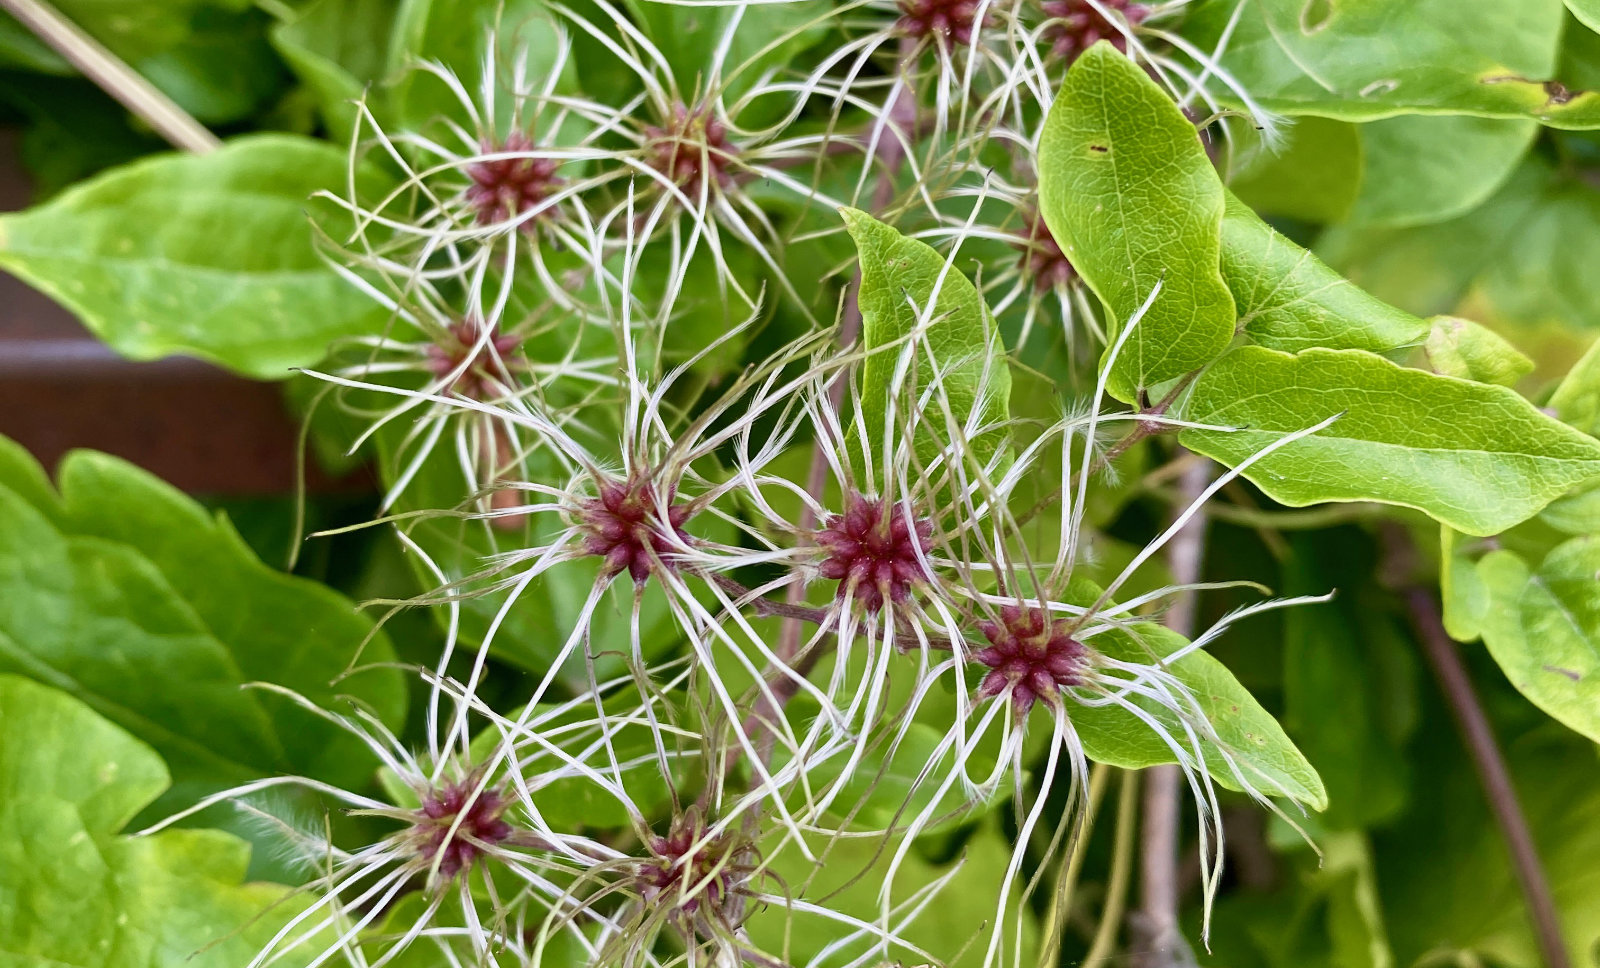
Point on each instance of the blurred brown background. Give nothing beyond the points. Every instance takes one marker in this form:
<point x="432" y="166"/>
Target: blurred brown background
<point x="191" y="423"/>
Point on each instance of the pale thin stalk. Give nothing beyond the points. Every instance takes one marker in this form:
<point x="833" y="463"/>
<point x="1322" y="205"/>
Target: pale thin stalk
<point x="1158" y="922"/>
<point x="1105" y="936"/>
<point x="113" y="76"/>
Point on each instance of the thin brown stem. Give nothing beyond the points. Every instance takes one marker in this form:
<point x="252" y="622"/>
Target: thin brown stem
<point x="1160" y="940"/>
<point x="1478" y="735"/>
<point x="113" y="76"/>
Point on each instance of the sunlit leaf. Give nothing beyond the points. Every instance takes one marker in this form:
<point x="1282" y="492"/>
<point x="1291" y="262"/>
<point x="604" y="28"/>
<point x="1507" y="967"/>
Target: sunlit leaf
<point x="209" y="256"/>
<point x="78" y="893"/>
<point x="1368" y="59"/>
<point x="1543" y="627"/>
<point x="906" y="284"/>
<point x="1478" y="458"/>
<point x="1130" y="195"/>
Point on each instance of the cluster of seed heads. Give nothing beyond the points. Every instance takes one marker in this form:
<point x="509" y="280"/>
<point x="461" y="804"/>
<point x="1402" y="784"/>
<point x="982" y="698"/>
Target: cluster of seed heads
<point x="923" y="552"/>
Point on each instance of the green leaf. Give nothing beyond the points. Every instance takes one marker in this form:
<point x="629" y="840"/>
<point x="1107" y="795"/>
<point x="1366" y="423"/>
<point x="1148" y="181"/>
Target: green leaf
<point x="1348" y="671"/>
<point x="905" y="282"/>
<point x="1406" y="170"/>
<point x="1450" y="838"/>
<point x="1478" y="458"/>
<point x="134" y="29"/>
<point x="209" y="256"/>
<point x="1577" y="513"/>
<point x="1543" y="628"/>
<point x="1466" y="600"/>
<point x="1421" y="168"/>
<point x="224" y="71"/>
<point x="1577" y="399"/>
<point x="1520" y="263"/>
<point x="764" y="39"/>
<point x="1329" y="914"/>
<point x="1288" y="300"/>
<point x="20" y="48"/>
<point x="336" y="47"/>
<point x="1362" y="60"/>
<point x="456" y="34"/>
<point x="1587" y="11"/>
<point x="1264" y="753"/>
<point x="1128" y="191"/>
<point x="131" y="597"/>
<point x="76" y="893"/>
<point x="1462" y="348"/>
<point x="211" y="58"/>
<point x="890" y="787"/>
<point x="1314" y="175"/>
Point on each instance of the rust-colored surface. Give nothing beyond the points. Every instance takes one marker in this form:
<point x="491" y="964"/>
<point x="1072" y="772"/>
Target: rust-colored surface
<point x="197" y="426"/>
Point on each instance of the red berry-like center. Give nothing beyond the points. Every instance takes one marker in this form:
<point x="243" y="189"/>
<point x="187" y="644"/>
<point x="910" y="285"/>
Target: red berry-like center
<point x="1075" y="25"/>
<point x="691" y="148"/>
<point x="626" y="527"/>
<point x="1042" y="259"/>
<point x="687" y="871"/>
<point x="1030" y="653"/>
<point x="476" y="821"/>
<point x="503" y="188"/>
<point x="954" y="20"/>
<point x="478" y="371"/>
<point x="873" y="551"/>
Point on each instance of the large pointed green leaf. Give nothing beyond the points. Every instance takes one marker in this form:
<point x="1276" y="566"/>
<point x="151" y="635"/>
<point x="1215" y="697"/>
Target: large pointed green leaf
<point x="1128" y="192"/>
<point x="1478" y="458"/>
<point x="74" y="892"/>
<point x="207" y="255"/>
<point x="906" y="283"/>
<point x="1366" y="59"/>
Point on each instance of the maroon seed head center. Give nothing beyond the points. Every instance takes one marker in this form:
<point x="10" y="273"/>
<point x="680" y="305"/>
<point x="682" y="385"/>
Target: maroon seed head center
<point x="691" y="148"/>
<point x="503" y="188"/>
<point x="872" y="550"/>
<point x="476" y="379"/>
<point x="683" y="869"/>
<point x="480" y="826"/>
<point x="954" y="20"/>
<point x="1042" y="259"/>
<point x="1032" y="653"/>
<point x="625" y="526"/>
<point x="1075" y="25"/>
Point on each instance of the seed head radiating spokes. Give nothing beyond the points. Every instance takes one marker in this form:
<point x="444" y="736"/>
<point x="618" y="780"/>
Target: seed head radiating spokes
<point x="510" y="181"/>
<point x="875" y="551"/>
<point x="628" y="526"/>
<point x="1032" y="655"/>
